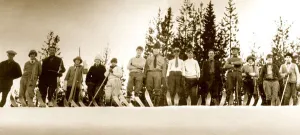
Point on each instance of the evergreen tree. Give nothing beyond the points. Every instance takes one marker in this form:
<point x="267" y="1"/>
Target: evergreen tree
<point x="209" y="34"/>
<point x="221" y="44"/>
<point x="187" y="28"/>
<point x="280" y="42"/>
<point x="52" y="40"/>
<point x="231" y="21"/>
<point x="106" y="55"/>
<point x="198" y="48"/>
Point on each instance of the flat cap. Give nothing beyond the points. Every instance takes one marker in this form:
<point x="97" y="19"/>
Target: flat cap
<point x="11" y="52"/>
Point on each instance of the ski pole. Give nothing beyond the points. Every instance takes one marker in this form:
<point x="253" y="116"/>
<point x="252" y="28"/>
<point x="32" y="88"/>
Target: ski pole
<point x="284" y="89"/>
<point x="99" y="89"/>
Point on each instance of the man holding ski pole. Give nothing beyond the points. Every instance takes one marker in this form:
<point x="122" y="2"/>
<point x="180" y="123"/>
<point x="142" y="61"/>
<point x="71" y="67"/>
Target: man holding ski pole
<point x="114" y="84"/>
<point x="136" y="67"/>
<point x="290" y="72"/>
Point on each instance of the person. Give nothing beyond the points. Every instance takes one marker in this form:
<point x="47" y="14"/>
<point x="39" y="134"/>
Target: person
<point x="114" y="84"/>
<point x="136" y="68"/>
<point x="175" y="73"/>
<point x="211" y="79"/>
<point x="269" y="77"/>
<point x="52" y="68"/>
<point x="250" y="72"/>
<point x="191" y="76"/>
<point x="155" y="73"/>
<point x="234" y="76"/>
<point x="290" y="72"/>
<point x="94" y="79"/>
<point x="9" y="70"/>
<point x="74" y="79"/>
<point x="31" y="72"/>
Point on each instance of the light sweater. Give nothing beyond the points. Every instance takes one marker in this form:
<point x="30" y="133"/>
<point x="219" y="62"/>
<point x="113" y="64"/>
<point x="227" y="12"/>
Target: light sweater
<point x="116" y="74"/>
<point x="192" y="69"/>
<point x="136" y="64"/>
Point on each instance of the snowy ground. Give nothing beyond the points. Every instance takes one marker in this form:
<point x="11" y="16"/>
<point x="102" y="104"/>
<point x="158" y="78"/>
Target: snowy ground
<point x="151" y="121"/>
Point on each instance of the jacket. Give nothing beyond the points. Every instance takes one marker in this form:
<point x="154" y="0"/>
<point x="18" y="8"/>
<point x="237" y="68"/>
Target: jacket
<point x="71" y="75"/>
<point x="9" y="70"/>
<point x="95" y="74"/>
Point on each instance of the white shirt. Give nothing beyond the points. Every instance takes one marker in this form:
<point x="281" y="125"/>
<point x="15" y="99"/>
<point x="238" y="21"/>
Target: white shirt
<point x="172" y="66"/>
<point x="192" y="69"/>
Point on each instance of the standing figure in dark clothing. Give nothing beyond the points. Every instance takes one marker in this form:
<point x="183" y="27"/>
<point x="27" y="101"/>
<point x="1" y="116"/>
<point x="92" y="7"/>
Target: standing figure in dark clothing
<point x="9" y="70"/>
<point x="94" y="78"/>
<point x="211" y="81"/>
<point x="52" y="68"/>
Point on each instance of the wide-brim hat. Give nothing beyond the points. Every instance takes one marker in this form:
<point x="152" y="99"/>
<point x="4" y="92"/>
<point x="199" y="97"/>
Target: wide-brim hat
<point x="288" y="54"/>
<point x="11" y="52"/>
<point x="32" y="52"/>
<point x="250" y="57"/>
<point x="77" y="58"/>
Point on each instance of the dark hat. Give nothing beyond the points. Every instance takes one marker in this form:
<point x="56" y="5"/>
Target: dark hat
<point x="140" y="48"/>
<point x="156" y="45"/>
<point x="77" y="58"/>
<point x="11" y="52"/>
<point x="176" y="49"/>
<point x="235" y="47"/>
<point x="251" y="57"/>
<point x="32" y="52"/>
<point x="114" y="60"/>
<point x="269" y="56"/>
<point x="288" y="54"/>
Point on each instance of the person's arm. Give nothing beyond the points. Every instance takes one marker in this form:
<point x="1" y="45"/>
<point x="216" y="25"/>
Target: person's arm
<point x="239" y="62"/>
<point x="88" y="75"/>
<point x="297" y="74"/>
<point x="18" y="71"/>
<point x="146" y="67"/>
<point x="130" y="66"/>
<point x="117" y="72"/>
<point x="182" y="68"/>
<point x="39" y="68"/>
<point x="62" y="69"/>
<point x="169" y="68"/>
<point x="281" y="72"/>
<point x="198" y="71"/>
<point x="228" y="65"/>
<point x="164" y="67"/>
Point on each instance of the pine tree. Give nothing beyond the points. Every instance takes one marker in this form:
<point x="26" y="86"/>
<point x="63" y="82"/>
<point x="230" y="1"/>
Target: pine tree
<point x="209" y="34"/>
<point x="165" y="34"/>
<point x="198" y="48"/>
<point x="280" y="42"/>
<point x="231" y="21"/>
<point x="52" y="40"/>
<point x="187" y="27"/>
<point x="106" y="55"/>
<point x="221" y="44"/>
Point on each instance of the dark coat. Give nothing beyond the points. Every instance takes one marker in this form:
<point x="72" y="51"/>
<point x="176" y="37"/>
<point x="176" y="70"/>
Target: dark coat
<point x="95" y="75"/>
<point x="205" y="72"/>
<point x="9" y="70"/>
<point x="263" y="73"/>
<point x="50" y="69"/>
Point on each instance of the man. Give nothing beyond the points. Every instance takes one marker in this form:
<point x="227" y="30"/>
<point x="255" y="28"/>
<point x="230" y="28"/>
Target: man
<point x="192" y="74"/>
<point x="290" y="72"/>
<point x="270" y="76"/>
<point x="175" y="73"/>
<point x="9" y="70"/>
<point x="114" y="84"/>
<point x="155" y="72"/>
<point x="94" y="79"/>
<point x="136" y="66"/>
<point x="211" y="78"/>
<point x="74" y="75"/>
<point x="32" y="70"/>
<point x="52" y="68"/>
<point x="234" y="76"/>
<point x="250" y="72"/>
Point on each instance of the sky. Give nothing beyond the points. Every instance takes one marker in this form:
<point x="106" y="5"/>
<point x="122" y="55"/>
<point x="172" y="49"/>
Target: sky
<point x="93" y="24"/>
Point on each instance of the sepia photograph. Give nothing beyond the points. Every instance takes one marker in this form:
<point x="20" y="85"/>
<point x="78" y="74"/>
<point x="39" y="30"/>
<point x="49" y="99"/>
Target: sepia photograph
<point x="149" y="67"/>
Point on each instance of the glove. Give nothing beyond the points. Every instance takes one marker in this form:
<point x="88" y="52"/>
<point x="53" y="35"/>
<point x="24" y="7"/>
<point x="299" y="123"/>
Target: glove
<point x="65" y="85"/>
<point x="111" y="70"/>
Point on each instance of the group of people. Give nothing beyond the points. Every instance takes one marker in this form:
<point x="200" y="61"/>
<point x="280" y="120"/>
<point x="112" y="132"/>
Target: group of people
<point x="179" y="77"/>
